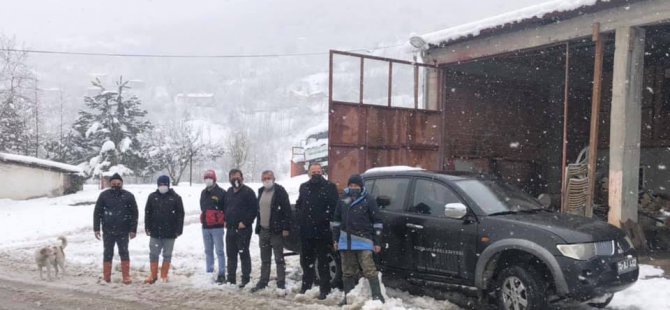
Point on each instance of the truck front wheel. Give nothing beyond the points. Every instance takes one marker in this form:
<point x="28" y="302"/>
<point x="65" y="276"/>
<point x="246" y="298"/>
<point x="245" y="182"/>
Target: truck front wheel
<point x="520" y="289"/>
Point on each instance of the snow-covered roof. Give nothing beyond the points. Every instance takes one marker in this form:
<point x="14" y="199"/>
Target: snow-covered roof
<point x="33" y="161"/>
<point x="537" y="11"/>
<point x="393" y="169"/>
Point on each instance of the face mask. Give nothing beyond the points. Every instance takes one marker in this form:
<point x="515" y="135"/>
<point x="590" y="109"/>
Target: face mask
<point x="354" y="192"/>
<point x="235" y="183"/>
<point x="268" y="184"/>
<point x="209" y="182"/>
<point x="116" y="188"/>
<point x="163" y="189"/>
<point x="316" y="178"/>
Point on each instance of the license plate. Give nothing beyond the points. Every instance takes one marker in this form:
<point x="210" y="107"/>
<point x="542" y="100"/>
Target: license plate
<point x="626" y="265"/>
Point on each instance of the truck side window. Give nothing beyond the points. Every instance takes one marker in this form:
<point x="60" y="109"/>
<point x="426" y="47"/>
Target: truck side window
<point x="431" y="197"/>
<point x="395" y="189"/>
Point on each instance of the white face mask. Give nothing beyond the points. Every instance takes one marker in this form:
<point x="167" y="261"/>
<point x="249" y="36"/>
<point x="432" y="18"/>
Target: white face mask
<point x="163" y="189"/>
<point x="268" y="184"/>
<point x="209" y="182"/>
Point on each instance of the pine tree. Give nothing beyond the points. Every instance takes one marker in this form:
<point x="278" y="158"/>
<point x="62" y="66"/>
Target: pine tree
<point x="106" y="138"/>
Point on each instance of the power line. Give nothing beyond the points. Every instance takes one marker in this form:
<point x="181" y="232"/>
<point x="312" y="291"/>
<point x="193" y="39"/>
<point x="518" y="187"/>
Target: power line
<point x="53" y="52"/>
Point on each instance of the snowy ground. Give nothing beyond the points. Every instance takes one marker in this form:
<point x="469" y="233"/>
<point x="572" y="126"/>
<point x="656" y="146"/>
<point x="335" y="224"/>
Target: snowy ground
<point x="26" y="225"/>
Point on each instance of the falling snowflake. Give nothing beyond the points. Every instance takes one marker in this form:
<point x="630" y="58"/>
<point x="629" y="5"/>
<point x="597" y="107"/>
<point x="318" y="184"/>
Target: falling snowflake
<point x="514" y="145"/>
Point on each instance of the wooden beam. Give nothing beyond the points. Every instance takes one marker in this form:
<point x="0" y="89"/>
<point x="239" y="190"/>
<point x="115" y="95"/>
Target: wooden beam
<point x="635" y="14"/>
<point x="595" y="116"/>
<point x="564" y="158"/>
<point x="625" y="124"/>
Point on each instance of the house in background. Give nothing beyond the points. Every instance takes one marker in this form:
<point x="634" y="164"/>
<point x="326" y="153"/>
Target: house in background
<point x="25" y="177"/>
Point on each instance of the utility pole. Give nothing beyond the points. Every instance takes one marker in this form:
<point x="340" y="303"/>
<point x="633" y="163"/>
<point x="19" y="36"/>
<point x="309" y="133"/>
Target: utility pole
<point x="37" y="123"/>
<point x="60" y="99"/>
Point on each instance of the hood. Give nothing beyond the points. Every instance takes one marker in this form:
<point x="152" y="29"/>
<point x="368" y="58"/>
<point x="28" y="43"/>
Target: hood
<point x="570" y="228"/>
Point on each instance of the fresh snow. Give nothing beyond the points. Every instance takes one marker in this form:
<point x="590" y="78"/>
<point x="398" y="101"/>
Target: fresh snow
<point x="535" y="11"/>
<point x="27" y="225"/>
<point x="39" y="162"/>
<point x="107" y="146"/>
<point x="392" y="169"/>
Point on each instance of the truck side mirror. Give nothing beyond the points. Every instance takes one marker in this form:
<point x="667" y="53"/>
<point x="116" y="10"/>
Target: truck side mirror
<point x="383" y="201"/>
<point x="455" y="210"/>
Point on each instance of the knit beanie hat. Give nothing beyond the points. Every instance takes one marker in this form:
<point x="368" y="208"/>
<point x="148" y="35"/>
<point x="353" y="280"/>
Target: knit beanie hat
<point x="356" y="179"/>
<point x="210" y="174"/>
<point x="116" y="176"/>
<point x="163" y="179"/>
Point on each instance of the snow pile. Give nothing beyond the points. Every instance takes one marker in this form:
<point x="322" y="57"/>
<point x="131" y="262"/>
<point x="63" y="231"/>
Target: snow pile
<point x="39" y="162"/>
<point x="535" y="11"/>
<point x="649" y="292"/>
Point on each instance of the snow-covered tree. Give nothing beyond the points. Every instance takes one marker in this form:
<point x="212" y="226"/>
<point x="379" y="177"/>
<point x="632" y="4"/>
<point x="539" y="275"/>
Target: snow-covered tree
<point x="175" y="147"/>
<point x="107" y="137"/>
<point x="16" y="85"/>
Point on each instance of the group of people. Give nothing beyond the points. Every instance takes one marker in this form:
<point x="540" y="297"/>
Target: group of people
<point x="328" y="222"/>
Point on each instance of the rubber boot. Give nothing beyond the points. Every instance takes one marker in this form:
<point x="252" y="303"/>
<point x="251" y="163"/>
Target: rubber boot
<point x="348" y="284"/>
<point x="151" y="279"/>
<point x="125" y="271"/>
<point x="164" y="271"/>
<point x="376" y="289"/>
<point x="107" y="271"/>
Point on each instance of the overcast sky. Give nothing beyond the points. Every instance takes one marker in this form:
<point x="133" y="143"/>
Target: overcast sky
<point x="232" y="26"/>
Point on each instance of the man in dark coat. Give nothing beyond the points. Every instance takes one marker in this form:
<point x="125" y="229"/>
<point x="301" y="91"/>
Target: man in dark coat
<point x="315" y="207"/>
<point x="241" y="210"/>
<point x="273" y="224"/>
<point x="212" y="217"/>
<point x="163" y="222"/>
<point x="357" y="231"/>
<point x="116" y="212"/>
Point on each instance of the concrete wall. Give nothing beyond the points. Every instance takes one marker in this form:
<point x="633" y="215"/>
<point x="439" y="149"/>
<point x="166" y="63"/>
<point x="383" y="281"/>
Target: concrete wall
<point x="23" y="182"/>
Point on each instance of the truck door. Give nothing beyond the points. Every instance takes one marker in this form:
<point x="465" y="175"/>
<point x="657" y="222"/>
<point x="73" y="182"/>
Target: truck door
<point x="439" y="243"/>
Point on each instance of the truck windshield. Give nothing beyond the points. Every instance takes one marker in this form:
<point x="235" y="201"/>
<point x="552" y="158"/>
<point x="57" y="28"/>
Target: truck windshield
<point x="495" y="197"/>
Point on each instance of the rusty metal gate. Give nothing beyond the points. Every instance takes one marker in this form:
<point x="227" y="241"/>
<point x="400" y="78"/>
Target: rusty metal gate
<point x="363" y="135"/>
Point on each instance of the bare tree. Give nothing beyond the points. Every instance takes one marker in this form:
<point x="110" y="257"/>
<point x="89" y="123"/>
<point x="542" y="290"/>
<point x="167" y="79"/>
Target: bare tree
<point x="238" y="149"/>
<point x="176" y="147"/>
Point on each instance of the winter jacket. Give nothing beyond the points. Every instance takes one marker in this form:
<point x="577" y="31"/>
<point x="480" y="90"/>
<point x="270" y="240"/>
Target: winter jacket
<point x="164" y="215"/>
<point x="116" y="211"/>
<point x="315" y="207"/>
<point x="280" y="210"/>
<point x="241" y="207"/>
<point x="356" y="224"/>
<point x="214" y="200"/>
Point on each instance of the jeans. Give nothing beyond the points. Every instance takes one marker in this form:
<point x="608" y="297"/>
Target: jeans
<point x="271" y="242"/>
<point x="121" y="241"/>
<point x="311" y="250"/>
<point x="213" y="238"/>
<point x="158" y="245"/>
<point x="237" y="242"/>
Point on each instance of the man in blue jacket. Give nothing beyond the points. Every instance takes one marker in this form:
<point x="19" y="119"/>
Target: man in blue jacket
<point x="116" y="212"/>
<point x="241" y="210"/>
<point x="357" y="231"/>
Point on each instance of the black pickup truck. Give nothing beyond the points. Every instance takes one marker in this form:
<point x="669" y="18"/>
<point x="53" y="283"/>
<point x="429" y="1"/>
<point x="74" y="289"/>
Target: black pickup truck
<point x="464" y="230"/>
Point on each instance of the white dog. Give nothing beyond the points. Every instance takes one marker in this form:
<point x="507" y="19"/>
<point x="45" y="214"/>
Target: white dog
<point x="51" y="256"/>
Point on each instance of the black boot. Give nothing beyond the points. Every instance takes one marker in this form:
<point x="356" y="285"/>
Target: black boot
<point x="220" y="279"/>
<point x="376" y="289"/>
<point x="347" y="285"/>
<point x="259" y="286"/>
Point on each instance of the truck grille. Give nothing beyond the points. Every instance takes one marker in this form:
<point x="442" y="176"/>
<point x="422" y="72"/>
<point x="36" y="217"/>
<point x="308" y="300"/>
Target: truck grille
<point x="605" y="248"/>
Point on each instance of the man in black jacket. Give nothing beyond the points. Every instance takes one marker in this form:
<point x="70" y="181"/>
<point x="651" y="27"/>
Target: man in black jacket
<point x="241" y="210"/>
<point x="163" y="222"/>
<point x="116" y="212"/>
<point x="315" y="207"/>
<point x="212" y="218"/>
<point x="272" y="226"/>
<point x="357" y="231"/>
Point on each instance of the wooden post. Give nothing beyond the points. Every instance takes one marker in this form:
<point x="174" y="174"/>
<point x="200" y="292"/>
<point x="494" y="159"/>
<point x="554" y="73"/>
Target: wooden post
<point x="595" y="117"/>
<point x="626" y="124"/>
<point x="564" y="159"/>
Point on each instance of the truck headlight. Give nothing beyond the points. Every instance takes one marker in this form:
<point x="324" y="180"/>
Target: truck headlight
<point x="578" y="251"/>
